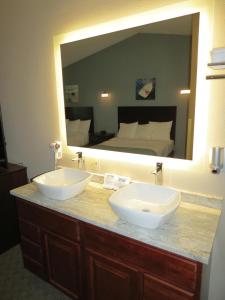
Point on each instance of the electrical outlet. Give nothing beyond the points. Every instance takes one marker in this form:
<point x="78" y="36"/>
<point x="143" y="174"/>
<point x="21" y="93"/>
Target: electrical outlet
<point x="93" y="164"/>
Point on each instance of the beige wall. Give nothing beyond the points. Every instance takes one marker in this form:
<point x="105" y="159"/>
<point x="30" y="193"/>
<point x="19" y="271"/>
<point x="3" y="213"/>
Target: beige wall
<point x="29" y="101"/>
<point x="217" y="109"/>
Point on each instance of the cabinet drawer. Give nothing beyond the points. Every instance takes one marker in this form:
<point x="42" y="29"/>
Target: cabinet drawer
<point x="155" y="288"/>
<point x="31" y="250"/>
<point x="29" y="230"/>
<point x="170" y="267"/>
<point x="49" y="220"/>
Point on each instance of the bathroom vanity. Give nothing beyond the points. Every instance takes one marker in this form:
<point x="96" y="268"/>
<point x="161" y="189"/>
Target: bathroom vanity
<point x="80" y="246"/>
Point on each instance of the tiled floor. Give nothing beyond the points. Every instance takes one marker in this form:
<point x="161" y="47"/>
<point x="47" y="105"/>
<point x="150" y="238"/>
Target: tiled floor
<point x="16" y="283"/>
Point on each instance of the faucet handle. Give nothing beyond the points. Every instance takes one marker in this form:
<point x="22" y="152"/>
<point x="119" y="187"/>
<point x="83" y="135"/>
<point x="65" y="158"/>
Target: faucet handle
<point x="159" y="166"/>
<point x="158" y="173"/>
<point x="79" y="159"/>
<point x="79" y="156"/>
<point x="79" y="153"/>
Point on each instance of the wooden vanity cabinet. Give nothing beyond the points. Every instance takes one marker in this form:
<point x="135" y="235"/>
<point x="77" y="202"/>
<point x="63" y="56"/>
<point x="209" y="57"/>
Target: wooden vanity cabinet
<point x="90" y="263"/>
<point x="155" y="273"/>
<point x="50" y="247"/>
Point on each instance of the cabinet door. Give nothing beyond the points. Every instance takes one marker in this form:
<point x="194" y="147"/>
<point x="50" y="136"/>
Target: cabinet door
<point x="109" y="279"/>
<point x="63" y="264"/>
<point x="157" y="289"/>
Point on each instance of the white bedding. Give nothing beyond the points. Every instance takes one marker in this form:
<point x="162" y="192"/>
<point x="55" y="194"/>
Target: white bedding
<point x="161" y="148"/>
<point x="78" y="139"/>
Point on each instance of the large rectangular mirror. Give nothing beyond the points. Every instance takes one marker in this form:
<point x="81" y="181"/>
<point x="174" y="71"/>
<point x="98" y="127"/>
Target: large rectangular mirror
<point x="122" y="90"/>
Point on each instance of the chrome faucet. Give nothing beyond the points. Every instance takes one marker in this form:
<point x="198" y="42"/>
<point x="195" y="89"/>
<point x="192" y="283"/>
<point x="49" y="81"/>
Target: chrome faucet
<point x="79" y="159"/>
<point x="158" y="173"/>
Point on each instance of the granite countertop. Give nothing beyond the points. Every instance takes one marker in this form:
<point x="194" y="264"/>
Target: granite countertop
<point x="189" y="232"/>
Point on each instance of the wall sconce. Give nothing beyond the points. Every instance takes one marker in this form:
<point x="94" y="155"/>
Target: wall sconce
<point x="105" y="95"/>
<point x="216" y="159"/>
<point x="185" y="92"/>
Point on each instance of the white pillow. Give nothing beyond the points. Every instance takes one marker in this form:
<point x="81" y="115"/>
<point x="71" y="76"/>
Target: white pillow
<point x="73" y="126"/>
<point x="84" y="126"/>
<point x="160" y="130"/>
<point x="127" y="130"/>
<point x="143" y="131"/>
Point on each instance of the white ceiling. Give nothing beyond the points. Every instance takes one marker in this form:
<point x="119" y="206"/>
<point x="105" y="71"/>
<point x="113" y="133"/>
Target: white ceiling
<point x="75" y="51"/>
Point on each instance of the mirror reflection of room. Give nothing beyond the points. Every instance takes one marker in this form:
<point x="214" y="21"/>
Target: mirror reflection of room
<point x="122" y="90"/>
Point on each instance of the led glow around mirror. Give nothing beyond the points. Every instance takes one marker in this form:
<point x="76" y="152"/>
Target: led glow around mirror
<point x="201" y="92"/>
<point x="155" y="58"/>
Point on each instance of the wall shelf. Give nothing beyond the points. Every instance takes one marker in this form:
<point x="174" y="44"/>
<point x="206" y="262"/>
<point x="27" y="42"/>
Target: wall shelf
<point x="216" y="66"/>
<point x="222" y="76"/>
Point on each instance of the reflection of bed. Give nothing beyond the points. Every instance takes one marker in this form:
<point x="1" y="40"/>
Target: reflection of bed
<point x="137" y="146"/>
<point x="143" y="115"/>
<point x="79" y="138"/>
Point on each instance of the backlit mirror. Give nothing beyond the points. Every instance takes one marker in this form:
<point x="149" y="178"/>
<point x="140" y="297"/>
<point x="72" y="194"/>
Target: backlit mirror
<point x="123" y="90"/>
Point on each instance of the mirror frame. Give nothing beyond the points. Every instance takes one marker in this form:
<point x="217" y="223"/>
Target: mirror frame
<point x="140" y="19"/>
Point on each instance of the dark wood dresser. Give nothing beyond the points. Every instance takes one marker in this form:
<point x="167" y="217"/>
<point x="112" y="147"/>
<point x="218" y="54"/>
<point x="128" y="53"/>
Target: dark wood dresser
<point x="10" y="178"/>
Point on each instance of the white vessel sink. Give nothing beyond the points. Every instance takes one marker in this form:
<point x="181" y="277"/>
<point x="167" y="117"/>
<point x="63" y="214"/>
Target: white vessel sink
<point x="145" y="204"/>
<point x="63" y="183"/>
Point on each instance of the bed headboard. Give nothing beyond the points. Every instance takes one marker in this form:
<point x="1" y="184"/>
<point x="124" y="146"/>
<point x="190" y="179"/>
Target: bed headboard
<point x="144" y="114"/>
<point x="82" y="113"/>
